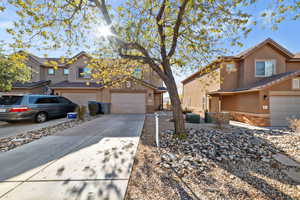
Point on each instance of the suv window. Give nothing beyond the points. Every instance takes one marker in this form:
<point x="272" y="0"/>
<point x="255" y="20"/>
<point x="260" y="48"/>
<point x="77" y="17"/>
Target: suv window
<point x="11" y="100"/>
<point x="64" y="100"/>
<point x="42" y="100"/>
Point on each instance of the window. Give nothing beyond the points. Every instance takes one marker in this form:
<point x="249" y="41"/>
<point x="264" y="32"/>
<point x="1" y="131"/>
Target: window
<point x="64" y="100"/>
<point x="66" y="71"/>
<point x="296" y="83"/>
<point x="264" y="68"/>
<point x="137" y="73"/>
<point x="51" y="71"/>
<point x="11" y="100"/>
<point x="44" y="100"/>
<point x="229" y="67"/>
<point x="84" y="72"/>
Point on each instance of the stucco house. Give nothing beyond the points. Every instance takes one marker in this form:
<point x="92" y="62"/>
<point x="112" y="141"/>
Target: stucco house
<point x="259" y="86"/>
<point x="140" y="94"/>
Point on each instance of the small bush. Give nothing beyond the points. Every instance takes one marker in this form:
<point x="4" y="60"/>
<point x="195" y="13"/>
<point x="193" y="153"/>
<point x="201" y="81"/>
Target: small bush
<point x="81" y="111"/>
<point x="294" y="124"/>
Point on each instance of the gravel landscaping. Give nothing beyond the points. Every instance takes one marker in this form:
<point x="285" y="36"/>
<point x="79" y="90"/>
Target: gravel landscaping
<point x="232" y="163"/>
<point x="12" y="142"/>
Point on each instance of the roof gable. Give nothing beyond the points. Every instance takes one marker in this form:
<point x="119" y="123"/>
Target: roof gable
<point x="265" y="42"/>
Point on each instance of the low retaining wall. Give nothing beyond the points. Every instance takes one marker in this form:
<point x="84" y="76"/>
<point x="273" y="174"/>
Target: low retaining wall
<point x="251" y="119"/>
<point x="221" y="117"/>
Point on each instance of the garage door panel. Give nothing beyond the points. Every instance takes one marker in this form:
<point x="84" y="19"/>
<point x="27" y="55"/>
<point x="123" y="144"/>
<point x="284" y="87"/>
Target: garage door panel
<point x="128" y="103"/>
<point x="80" y="98"/>
<point x="282" y="108"/>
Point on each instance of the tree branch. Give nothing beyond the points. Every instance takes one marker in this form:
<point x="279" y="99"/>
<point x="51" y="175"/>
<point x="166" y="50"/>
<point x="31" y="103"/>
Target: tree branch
<point x="132" y="45"/>
<point x="161" y="31"/>
<point x="176" y="27"/>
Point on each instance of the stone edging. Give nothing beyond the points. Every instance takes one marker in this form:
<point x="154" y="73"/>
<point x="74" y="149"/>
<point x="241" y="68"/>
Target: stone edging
<point x="12" y="142"/>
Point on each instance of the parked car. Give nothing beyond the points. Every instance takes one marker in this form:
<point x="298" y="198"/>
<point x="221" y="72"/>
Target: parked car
<point x="34" y="107"/>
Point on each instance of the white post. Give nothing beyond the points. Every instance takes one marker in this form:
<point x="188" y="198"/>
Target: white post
<point x="157" y="129"/>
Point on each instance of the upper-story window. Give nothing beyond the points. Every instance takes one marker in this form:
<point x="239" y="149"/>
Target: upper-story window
<point x="66" y="71"/>
<point x="51" y="71"/>
<point x="265" y="68"/>
<point x="229" y="67"/>
<point x="84" y="72"/>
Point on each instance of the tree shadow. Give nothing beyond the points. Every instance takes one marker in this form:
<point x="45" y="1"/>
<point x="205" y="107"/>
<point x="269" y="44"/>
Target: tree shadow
<point x="111" y="167"/>
<point x="247" y="164"/>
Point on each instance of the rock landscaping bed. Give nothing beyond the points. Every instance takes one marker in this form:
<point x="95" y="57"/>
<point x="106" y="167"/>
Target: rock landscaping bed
<point x="232" y="163"/>
<point x="12" y="142"/>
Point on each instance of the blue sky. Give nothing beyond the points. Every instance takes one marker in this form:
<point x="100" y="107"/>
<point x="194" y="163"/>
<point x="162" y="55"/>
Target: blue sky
<point x="287" y="34"/>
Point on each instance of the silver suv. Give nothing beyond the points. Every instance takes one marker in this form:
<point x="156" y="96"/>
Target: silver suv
<point x="34" y="107"/>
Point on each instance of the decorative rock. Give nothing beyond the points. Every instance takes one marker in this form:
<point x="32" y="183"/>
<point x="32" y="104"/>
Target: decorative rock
<point x="293" y="173"/>
<point x="285" y="160"/>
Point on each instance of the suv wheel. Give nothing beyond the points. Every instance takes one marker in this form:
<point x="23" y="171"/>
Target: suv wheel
<point x="41" y="117"/>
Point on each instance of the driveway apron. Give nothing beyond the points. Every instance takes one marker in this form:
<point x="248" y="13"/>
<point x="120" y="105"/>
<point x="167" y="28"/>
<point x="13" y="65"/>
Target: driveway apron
<point x="90" y="161"/>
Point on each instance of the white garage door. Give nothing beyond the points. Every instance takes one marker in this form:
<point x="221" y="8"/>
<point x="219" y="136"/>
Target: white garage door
<point x="80" y="98"/>
<point x="282" y="108"/>
<point x="128" y="103"/>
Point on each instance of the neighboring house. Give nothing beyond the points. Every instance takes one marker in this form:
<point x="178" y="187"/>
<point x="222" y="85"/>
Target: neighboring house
<point x="136" y="95"/>
<point x="260" y="86"/>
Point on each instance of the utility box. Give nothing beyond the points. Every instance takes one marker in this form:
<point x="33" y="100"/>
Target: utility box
<point x="192" y="118"/>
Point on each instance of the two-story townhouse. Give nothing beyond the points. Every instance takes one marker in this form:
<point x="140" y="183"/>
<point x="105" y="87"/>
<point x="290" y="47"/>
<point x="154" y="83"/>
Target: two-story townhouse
<point x="260" y="86"/>
<point x="140" y="94"/>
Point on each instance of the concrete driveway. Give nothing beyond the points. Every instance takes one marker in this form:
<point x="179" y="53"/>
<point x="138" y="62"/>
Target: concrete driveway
<point x="13" y="129"/>
<point x="90" y="161"/>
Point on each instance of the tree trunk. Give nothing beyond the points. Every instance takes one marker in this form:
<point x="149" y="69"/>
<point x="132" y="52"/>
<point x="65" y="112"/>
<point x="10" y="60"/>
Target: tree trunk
<point x="176" y="106"/>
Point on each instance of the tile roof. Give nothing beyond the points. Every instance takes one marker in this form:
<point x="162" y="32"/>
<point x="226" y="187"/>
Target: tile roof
<point x="269" y="41"/>
<point x="268" y="81"/>
<point x="246" y="53"/>
<point x="42" y="61"/>
<point x="297" y="55"/>
<point x="68" y="84"/>
<point x="30" y="84"/>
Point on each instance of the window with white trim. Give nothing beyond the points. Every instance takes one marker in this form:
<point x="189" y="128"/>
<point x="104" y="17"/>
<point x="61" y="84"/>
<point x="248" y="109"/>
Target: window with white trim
<point x="51" y="71"/>
<point x="229" y="67"/>
<point x="66" y="71"/>
<point x="296" y="83"/>
<point x="265" y="68"/>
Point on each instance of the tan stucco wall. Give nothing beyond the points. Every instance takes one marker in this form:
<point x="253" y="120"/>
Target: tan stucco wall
<point x="57" y="77"/>
<point x="197" y="88"/>
<point x="247" y="102"/>
<point x="104" y="94"/>
<point x="35" y="69"/>
<point x="148" y="74"/>
<point x="229" y="79"/>
<point x="73" y="69"/>
<point x="293" y="66"/>
<point x="265" y="52"/>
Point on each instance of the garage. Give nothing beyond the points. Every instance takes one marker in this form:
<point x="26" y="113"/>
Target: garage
<point x="80" y="98"/>
<point x="125" y="103"/>
<point x="282" y="108"/>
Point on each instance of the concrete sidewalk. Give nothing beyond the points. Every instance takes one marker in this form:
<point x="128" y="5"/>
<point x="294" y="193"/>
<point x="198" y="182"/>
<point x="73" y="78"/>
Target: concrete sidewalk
<point x="96" y="166"/>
